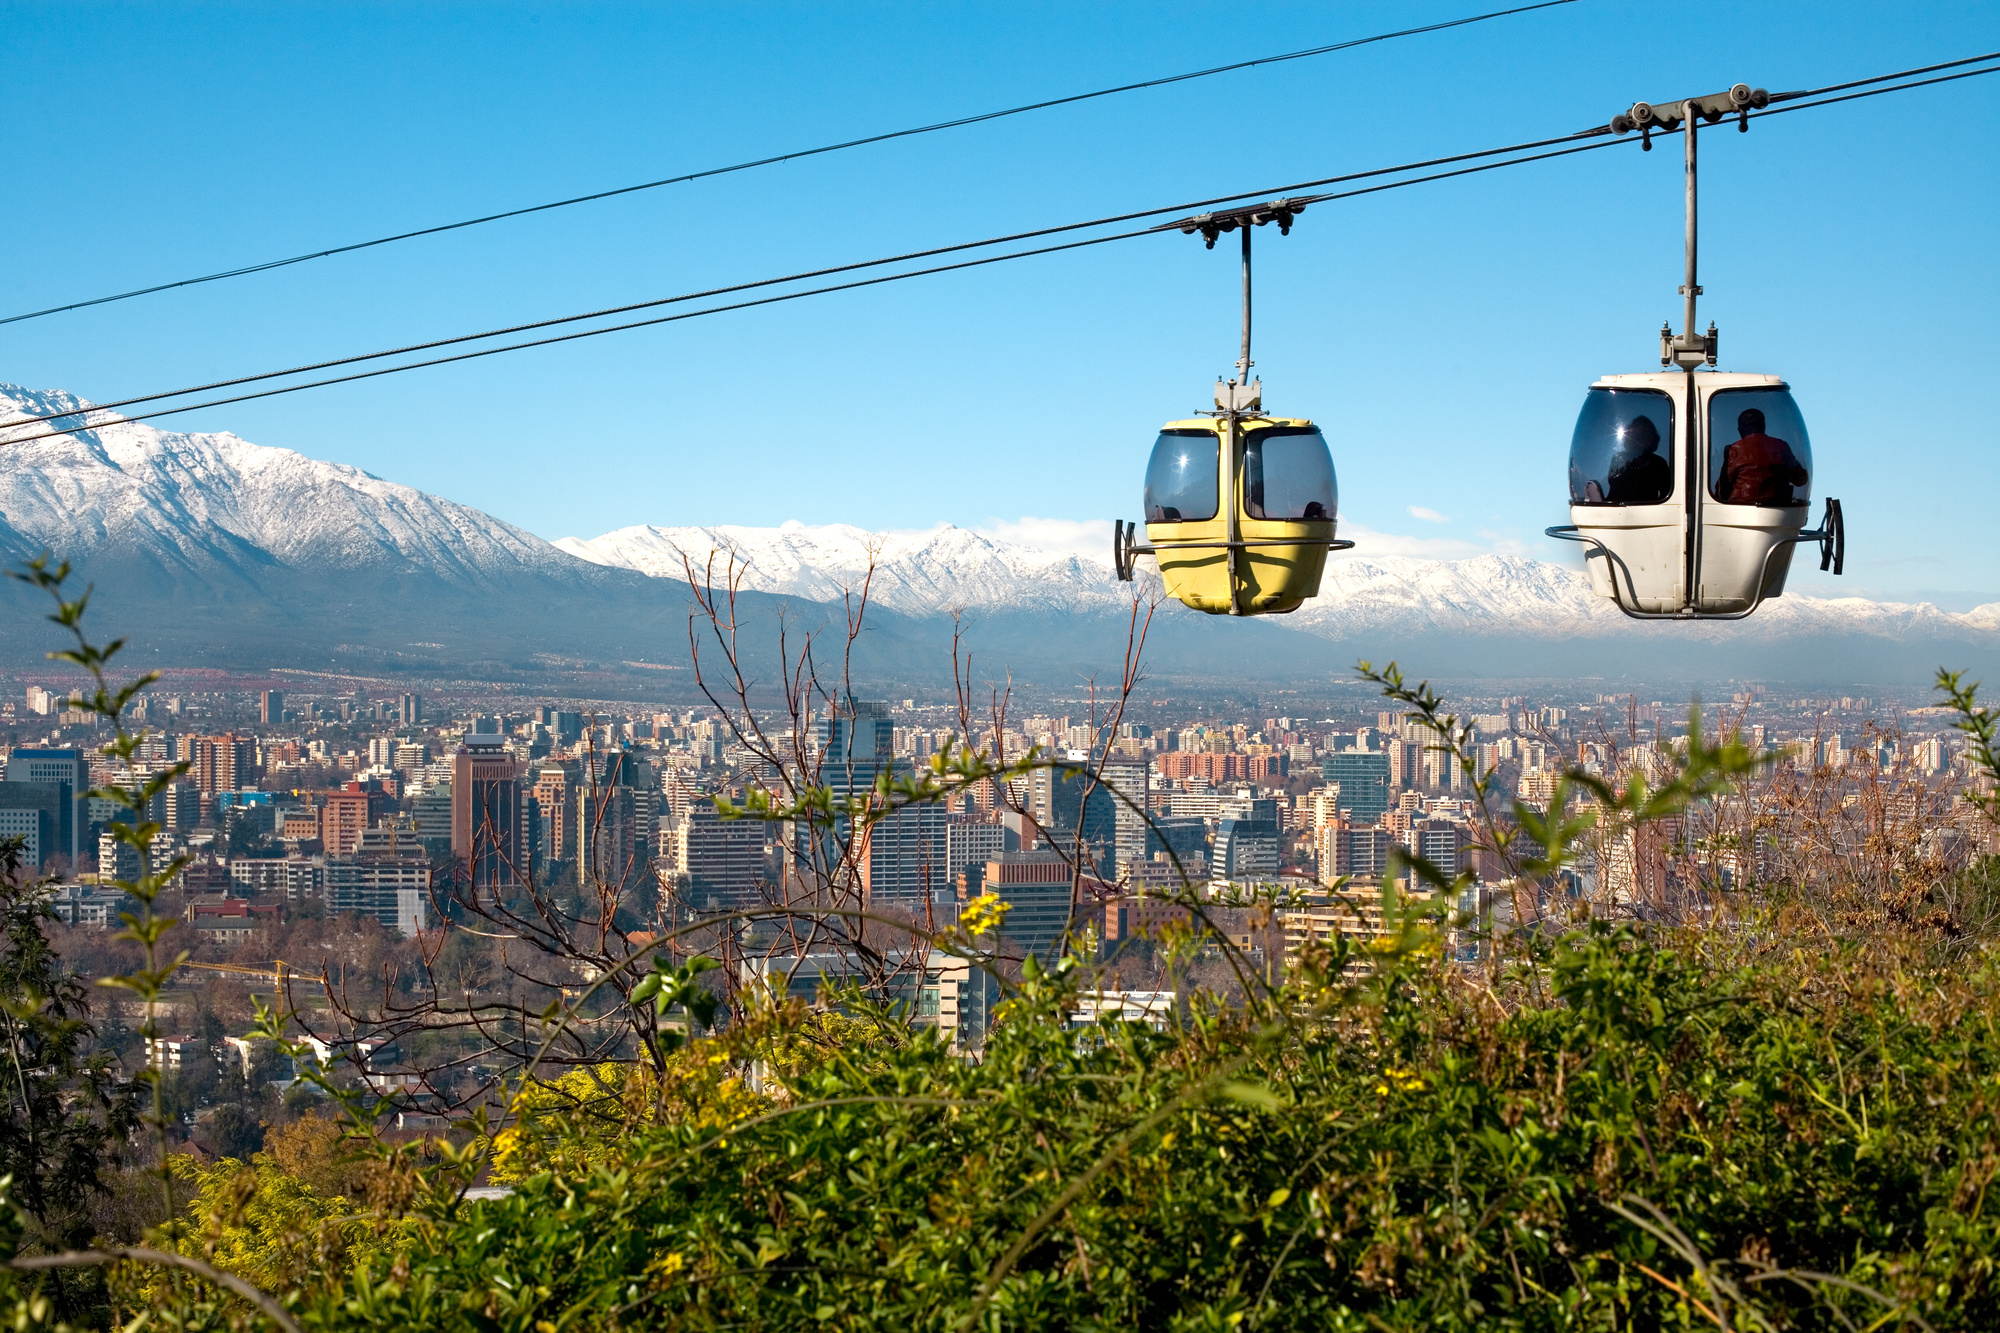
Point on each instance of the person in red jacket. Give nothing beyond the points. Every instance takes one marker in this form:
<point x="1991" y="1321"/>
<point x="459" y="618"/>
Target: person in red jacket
<point x="1759" y="469"/>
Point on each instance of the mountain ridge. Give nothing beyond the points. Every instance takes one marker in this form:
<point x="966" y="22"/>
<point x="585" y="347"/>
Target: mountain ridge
<point x="948" y="568"/>
<point x="208" y="549"/>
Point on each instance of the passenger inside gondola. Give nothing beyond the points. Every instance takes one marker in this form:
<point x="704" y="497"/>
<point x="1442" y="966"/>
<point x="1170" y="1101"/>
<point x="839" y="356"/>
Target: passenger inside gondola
<point x="1759" y="469"/>
<point x="1639" y="476"/>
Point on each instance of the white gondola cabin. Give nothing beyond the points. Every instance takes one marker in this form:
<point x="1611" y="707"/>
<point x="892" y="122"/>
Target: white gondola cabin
<point x="1688" y="487"/>
<point x="1689" y="490"/>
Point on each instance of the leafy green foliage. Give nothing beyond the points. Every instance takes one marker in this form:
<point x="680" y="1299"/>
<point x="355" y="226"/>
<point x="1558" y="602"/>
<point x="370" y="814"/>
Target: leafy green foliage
<point x="1405" y="1152"/>
<point x="1600" y="1129"/>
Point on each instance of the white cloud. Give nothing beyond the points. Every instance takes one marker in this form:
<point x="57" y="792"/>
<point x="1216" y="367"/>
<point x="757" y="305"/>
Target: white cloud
<point x="1089" y="538"/>
<point x="1369" y="542"/>
<point x="1427" y="515"/>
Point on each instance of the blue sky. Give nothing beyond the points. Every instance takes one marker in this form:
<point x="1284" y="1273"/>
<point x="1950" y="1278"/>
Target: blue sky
<point x="1442" y="335"/>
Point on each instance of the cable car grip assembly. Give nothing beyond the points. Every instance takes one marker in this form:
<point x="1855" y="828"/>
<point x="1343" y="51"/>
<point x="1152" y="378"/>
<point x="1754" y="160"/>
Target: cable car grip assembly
<point x="1238" y="399"/>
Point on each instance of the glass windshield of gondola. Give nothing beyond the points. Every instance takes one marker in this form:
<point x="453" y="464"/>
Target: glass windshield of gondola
<point x="1181" y="478"/>
<point x="1288" y="474"/>
<point x="1623" y="450"/>
<point x="1758" y="453"/>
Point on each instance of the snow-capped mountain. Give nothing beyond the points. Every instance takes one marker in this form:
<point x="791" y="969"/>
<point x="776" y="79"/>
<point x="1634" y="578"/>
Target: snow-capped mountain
<point x="207" y="548"/>
<point x="917" y="573"/>
<point x="948" y="568"/>
<point x="217" y="503"/>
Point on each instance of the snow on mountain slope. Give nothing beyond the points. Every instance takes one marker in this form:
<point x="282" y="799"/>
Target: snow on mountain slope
<point x="946" y="567"/>
<point x="212" y="511"/>
<point x="198" y="501"/>
<point x="915" y="572"/>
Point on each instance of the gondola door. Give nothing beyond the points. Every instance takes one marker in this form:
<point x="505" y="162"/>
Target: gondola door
<point x="1751" y="489"/>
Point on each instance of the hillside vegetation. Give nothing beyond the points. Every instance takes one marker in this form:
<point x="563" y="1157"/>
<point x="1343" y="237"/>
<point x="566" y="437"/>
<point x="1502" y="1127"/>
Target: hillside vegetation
<point x="1778" y="1113"/>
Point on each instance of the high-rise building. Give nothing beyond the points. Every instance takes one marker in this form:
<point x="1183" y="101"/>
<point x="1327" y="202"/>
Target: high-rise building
<point x="718" y="862"/>
<point x="901" y="858"/>
<point x="342" y="820"/>
<point x="1057" y="800"/>
<point x="1441" y="842"/>
<point x="391" y="885"/>
<point x="1364" y="780"/>
<point x="616" y="821"/>
<point x="180" y="806"/>
<point x="431" y="813"/>
<point x="117" y="860"/>
<point x="486" y="812"/>
<point x="33" y="812"/>
<point x="271" y="708"/>
<point x="1345" y="849"/>
<point x="68" y="772"/>
<point x="1036" y="888"/>
<point x="860" y="736"/>
<point x="1127" y="781"/>
<point x="223" y="763"/>
<point x="1247" y="846"/>
<point x="970" y="845"/>
<point x="413" y="710"/>
<point x="558" y="815"/>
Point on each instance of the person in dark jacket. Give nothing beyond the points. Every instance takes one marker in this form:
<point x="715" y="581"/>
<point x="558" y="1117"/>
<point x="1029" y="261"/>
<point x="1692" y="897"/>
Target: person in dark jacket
<point x="1759" y="469"/>
<point x="1639" y="476"/>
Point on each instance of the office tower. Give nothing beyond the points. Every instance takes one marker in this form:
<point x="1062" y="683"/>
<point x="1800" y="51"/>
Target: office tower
<point x="69" y="773"/>
<point x="1036" y="887"/>
<point x="486" y="813"/>
<point x="271" y="708"/>
<point x="860" y="736"/>
<point x="969" y="846"/>
<point x="552" y="798"/>
<point x="486" y="726"/>
<point x="719" y="862"/>
<point x="901" y="858"/>
<point x="180" y="805"/>
<point x="1056" y="798"/>
<point x="431" y="813"/>
<point x="33" y="812"/>
<point x="223" y="763"/>
<point x="413" y="710"/>
<point x="1364" y="781"/>
<point x="615" y="822"/>
<point x="1247" y="841"/>
<point x="410" y="755"/>
<point x="381" y="751"/>
<point x="342" y="820"/>
<point x="1185" y="836"/>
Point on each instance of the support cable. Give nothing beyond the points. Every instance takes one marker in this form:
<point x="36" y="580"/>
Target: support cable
<point x="959" y="123"/>
<point x="1178" y="225"/>
<point x="808" y="274"/>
